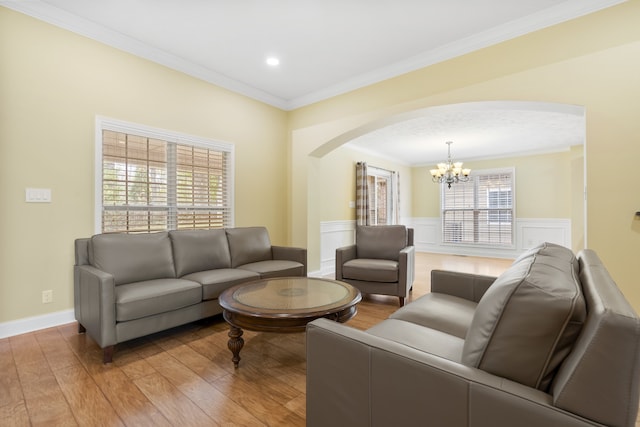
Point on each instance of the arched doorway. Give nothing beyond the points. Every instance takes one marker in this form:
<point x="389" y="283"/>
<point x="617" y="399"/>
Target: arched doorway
<point x="564" y="121"/>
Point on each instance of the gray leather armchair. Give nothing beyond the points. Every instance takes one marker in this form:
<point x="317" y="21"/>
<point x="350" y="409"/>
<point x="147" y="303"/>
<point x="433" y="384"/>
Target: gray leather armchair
<point x="382" y="261"/>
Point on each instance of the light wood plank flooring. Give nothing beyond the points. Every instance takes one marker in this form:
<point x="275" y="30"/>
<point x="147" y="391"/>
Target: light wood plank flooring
<point x="181" y="377"/>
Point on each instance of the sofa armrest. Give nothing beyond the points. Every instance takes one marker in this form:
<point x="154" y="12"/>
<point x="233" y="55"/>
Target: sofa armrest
<point x="463" y="285"/>
<point x="406" y="268"/>
<point x="343" y="255"/>
<point x="290" y="253"/>
<point x="95" y="303"/>
<point x="358" y="379"/>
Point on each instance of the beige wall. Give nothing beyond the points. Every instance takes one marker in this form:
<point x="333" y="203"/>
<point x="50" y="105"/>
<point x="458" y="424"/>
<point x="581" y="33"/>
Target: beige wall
<point x="593" y="62"/>
<point x="546" y="187"/>
<point x="338" y="178"/>
<point x="543" y="185"/>
<point x="52" y="85"/>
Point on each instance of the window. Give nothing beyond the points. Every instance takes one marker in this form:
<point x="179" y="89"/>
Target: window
<point x="499" y="203"/>
<point x="152" y="180"/>
<point x="381" y="205"/>
<point x="480" y="211"/>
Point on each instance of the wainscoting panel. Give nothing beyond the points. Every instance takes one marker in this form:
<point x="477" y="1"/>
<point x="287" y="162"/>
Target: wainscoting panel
<point x="427" y="238"/>
<point x="333" y="235"/>
<point x="426" y="232"/>
<point x="529" y="232"/>
<point x="532" y="232"/>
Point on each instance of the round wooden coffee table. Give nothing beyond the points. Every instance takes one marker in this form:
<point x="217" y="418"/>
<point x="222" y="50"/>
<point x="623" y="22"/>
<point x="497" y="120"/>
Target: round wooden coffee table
<point x="284" y="304"/>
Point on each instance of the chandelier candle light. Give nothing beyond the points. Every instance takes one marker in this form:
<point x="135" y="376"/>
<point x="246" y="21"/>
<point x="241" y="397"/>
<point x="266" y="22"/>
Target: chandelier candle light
<point x="450" y="173"/>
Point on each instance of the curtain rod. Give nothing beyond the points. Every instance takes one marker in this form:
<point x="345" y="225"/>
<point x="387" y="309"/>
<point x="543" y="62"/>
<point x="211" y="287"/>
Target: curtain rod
<point x="376" y="167"/>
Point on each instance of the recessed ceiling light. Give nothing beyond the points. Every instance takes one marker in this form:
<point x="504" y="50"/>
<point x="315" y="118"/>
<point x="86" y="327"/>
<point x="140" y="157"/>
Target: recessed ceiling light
<point x="273" y="61"/>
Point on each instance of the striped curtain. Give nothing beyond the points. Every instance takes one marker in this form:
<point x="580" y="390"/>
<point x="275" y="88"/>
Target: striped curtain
<point x="362" y="195"/>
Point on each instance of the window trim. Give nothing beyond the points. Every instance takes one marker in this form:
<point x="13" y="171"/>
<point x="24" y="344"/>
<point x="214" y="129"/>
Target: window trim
<point x="474" y="174"/>
<point x="106" y="123"/>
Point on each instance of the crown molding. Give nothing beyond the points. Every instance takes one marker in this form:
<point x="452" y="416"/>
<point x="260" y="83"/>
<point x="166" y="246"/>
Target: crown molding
<point x="562" y="12"/>
<point x="552" y="16"/>
<point x="62" y="19"/>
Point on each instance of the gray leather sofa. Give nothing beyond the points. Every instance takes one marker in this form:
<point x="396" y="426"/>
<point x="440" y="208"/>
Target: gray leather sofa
<point x="130" y="285"/>
<point x="550" y="342"/>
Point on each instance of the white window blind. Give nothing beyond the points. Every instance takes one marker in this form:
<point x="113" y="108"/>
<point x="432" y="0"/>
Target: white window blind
<point x="481" y="211"/>
<point x="151" y="183"/>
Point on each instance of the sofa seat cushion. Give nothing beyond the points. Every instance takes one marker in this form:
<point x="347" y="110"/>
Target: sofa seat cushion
<point x="371" y="270"/>
<point x="527" y="321"/>
<point x="445" y="313"/>
<point x="149" y="297"/>
<point x="274" y="268"/>
<point x="214" y="282"/>
<point x="421" y="338"/>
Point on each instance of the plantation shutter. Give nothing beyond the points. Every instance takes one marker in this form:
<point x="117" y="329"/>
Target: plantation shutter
<point x="150" y="184"/>
<point x="479" y="211"/>
<point x="201" y="189"/>
<point x="458" y="204"/>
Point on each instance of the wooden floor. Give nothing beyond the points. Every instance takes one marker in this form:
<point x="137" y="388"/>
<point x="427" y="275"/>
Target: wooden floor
<point x="182" y="377"/>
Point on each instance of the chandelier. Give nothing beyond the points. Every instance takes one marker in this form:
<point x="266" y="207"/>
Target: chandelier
<point x="450" y="172"/>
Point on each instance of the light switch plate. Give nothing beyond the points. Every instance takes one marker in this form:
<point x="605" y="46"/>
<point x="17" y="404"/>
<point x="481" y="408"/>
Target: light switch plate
<point x="38" y="195"/>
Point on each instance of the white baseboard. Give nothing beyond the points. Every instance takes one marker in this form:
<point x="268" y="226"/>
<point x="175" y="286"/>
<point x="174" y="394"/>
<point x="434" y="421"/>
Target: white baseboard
<point x="35" y="323"/>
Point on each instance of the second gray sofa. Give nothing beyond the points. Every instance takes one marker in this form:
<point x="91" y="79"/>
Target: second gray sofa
<point x="130" y="285"/>
<point x="550" y="342"/>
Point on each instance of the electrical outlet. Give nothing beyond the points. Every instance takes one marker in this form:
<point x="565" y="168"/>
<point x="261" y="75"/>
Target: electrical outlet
<point x="47" y="296"/>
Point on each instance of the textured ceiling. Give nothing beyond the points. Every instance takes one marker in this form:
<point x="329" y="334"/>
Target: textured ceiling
<point x="478" y="130"/>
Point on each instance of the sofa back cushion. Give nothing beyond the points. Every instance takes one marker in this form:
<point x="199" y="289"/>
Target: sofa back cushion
<point x="380" y="241"/>
<point x="199" y="250"/>
<point x="248" y="244"/>
<point x="527" y="321"/>
<point x="133" y="257"/>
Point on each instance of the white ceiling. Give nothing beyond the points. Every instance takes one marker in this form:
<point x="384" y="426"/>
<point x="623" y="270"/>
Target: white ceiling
<point x="329" y="47"/>
<point x="326" y="47"/>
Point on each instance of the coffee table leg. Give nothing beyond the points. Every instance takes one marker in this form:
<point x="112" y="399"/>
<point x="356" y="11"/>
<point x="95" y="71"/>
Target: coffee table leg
<point x="235" y="343"/>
